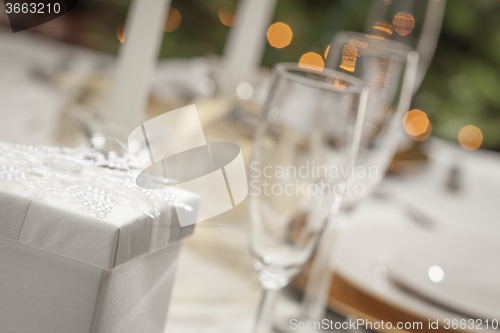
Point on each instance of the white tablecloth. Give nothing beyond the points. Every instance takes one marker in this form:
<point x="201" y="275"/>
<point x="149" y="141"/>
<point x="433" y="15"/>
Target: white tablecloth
<point x="217" y="291"/>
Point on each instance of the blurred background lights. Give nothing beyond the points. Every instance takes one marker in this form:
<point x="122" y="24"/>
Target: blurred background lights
<point x="312" y="60"/>
<point x="174" y="20"/>
<point x="470" y="137"/>
<point x="244" y="90"/>
<point x="360" y="43"/>
<point x="403" y="23"/>
<point x="349" y="56"/>
<point x="436" y="273"/>
<point x="340" y="85"/>
<point x="424" y="135"/>
<point x="326" y="51"/>
<point x="383" y="29"/>
<point x="207" y="86"/>
<point x="416" y="122"/>
<point x="455" y="95"/>
<point x="279" y="35"/>
<point x="120" y="33"/>
<point x="226" y="16"/>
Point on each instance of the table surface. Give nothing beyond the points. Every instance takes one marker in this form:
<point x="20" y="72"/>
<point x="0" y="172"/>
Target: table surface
<point x="216" y="289"/>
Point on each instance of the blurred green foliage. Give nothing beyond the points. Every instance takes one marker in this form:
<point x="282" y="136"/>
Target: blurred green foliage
<point x="461" y="87"/>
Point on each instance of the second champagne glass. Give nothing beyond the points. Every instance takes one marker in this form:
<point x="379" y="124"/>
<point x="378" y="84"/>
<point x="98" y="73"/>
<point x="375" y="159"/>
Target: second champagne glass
<point x="416" y="23"/>
<point x="389" y="68"/>
<point x="310" y="127"/>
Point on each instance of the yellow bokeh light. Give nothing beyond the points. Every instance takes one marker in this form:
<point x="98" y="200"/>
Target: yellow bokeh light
<point x="327" y="51"/>
<point x="120" y="33"/>
<point x="226" y="16"/>
<point x="279" y="35"/>
<point x="424" y="135"/>
<point x="403" y="23"/>
<point x="470" y="137"/>
<point x="383" y="29"/>
<point x="174" y="20"/>
<point x="349" y="55"/>
<point x="416" y="122"/>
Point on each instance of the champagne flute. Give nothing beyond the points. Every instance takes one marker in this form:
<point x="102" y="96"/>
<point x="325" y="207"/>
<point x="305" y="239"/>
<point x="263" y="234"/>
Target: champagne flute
<point x="416" y="23"/>
<point x="291" y="187"/>
<point x="390" y="69"/>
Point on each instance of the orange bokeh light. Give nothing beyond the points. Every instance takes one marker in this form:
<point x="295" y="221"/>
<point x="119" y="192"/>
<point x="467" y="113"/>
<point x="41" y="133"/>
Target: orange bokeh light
<point x="383" y="29"/>
<point x="120" y="33"/>
<point x="312" y="60"/>
<point x="424" y="135"/>
<point x="279" y="35"/>
<point x="349" y="56"/>
<point x="416" y="122"/>
<point x="174" y="20"/>
<point x="226" y="16"/>
<point x="327" y="51"/>
<point x="470" y="137"/>
<point x="403" y="23"/>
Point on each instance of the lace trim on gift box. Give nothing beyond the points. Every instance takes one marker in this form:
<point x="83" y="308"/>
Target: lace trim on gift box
<point x="82" y="176"/>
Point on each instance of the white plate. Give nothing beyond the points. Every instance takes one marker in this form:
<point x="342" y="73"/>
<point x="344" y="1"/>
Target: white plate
<point x="471" y="281"/>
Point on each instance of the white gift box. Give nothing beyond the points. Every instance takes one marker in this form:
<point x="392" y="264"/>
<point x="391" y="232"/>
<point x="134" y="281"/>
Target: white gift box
<point x="82" y="248"/>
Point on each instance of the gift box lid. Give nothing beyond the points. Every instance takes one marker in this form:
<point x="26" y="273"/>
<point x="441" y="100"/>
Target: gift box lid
<point x="77" y="204"/>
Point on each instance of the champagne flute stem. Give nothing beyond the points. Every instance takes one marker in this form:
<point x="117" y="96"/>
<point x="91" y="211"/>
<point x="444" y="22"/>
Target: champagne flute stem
<point x="265" y="311"/>
<point x="319" y="282"/>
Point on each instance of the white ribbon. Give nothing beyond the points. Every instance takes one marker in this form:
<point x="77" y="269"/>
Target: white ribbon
<point x="173" y="145"/>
